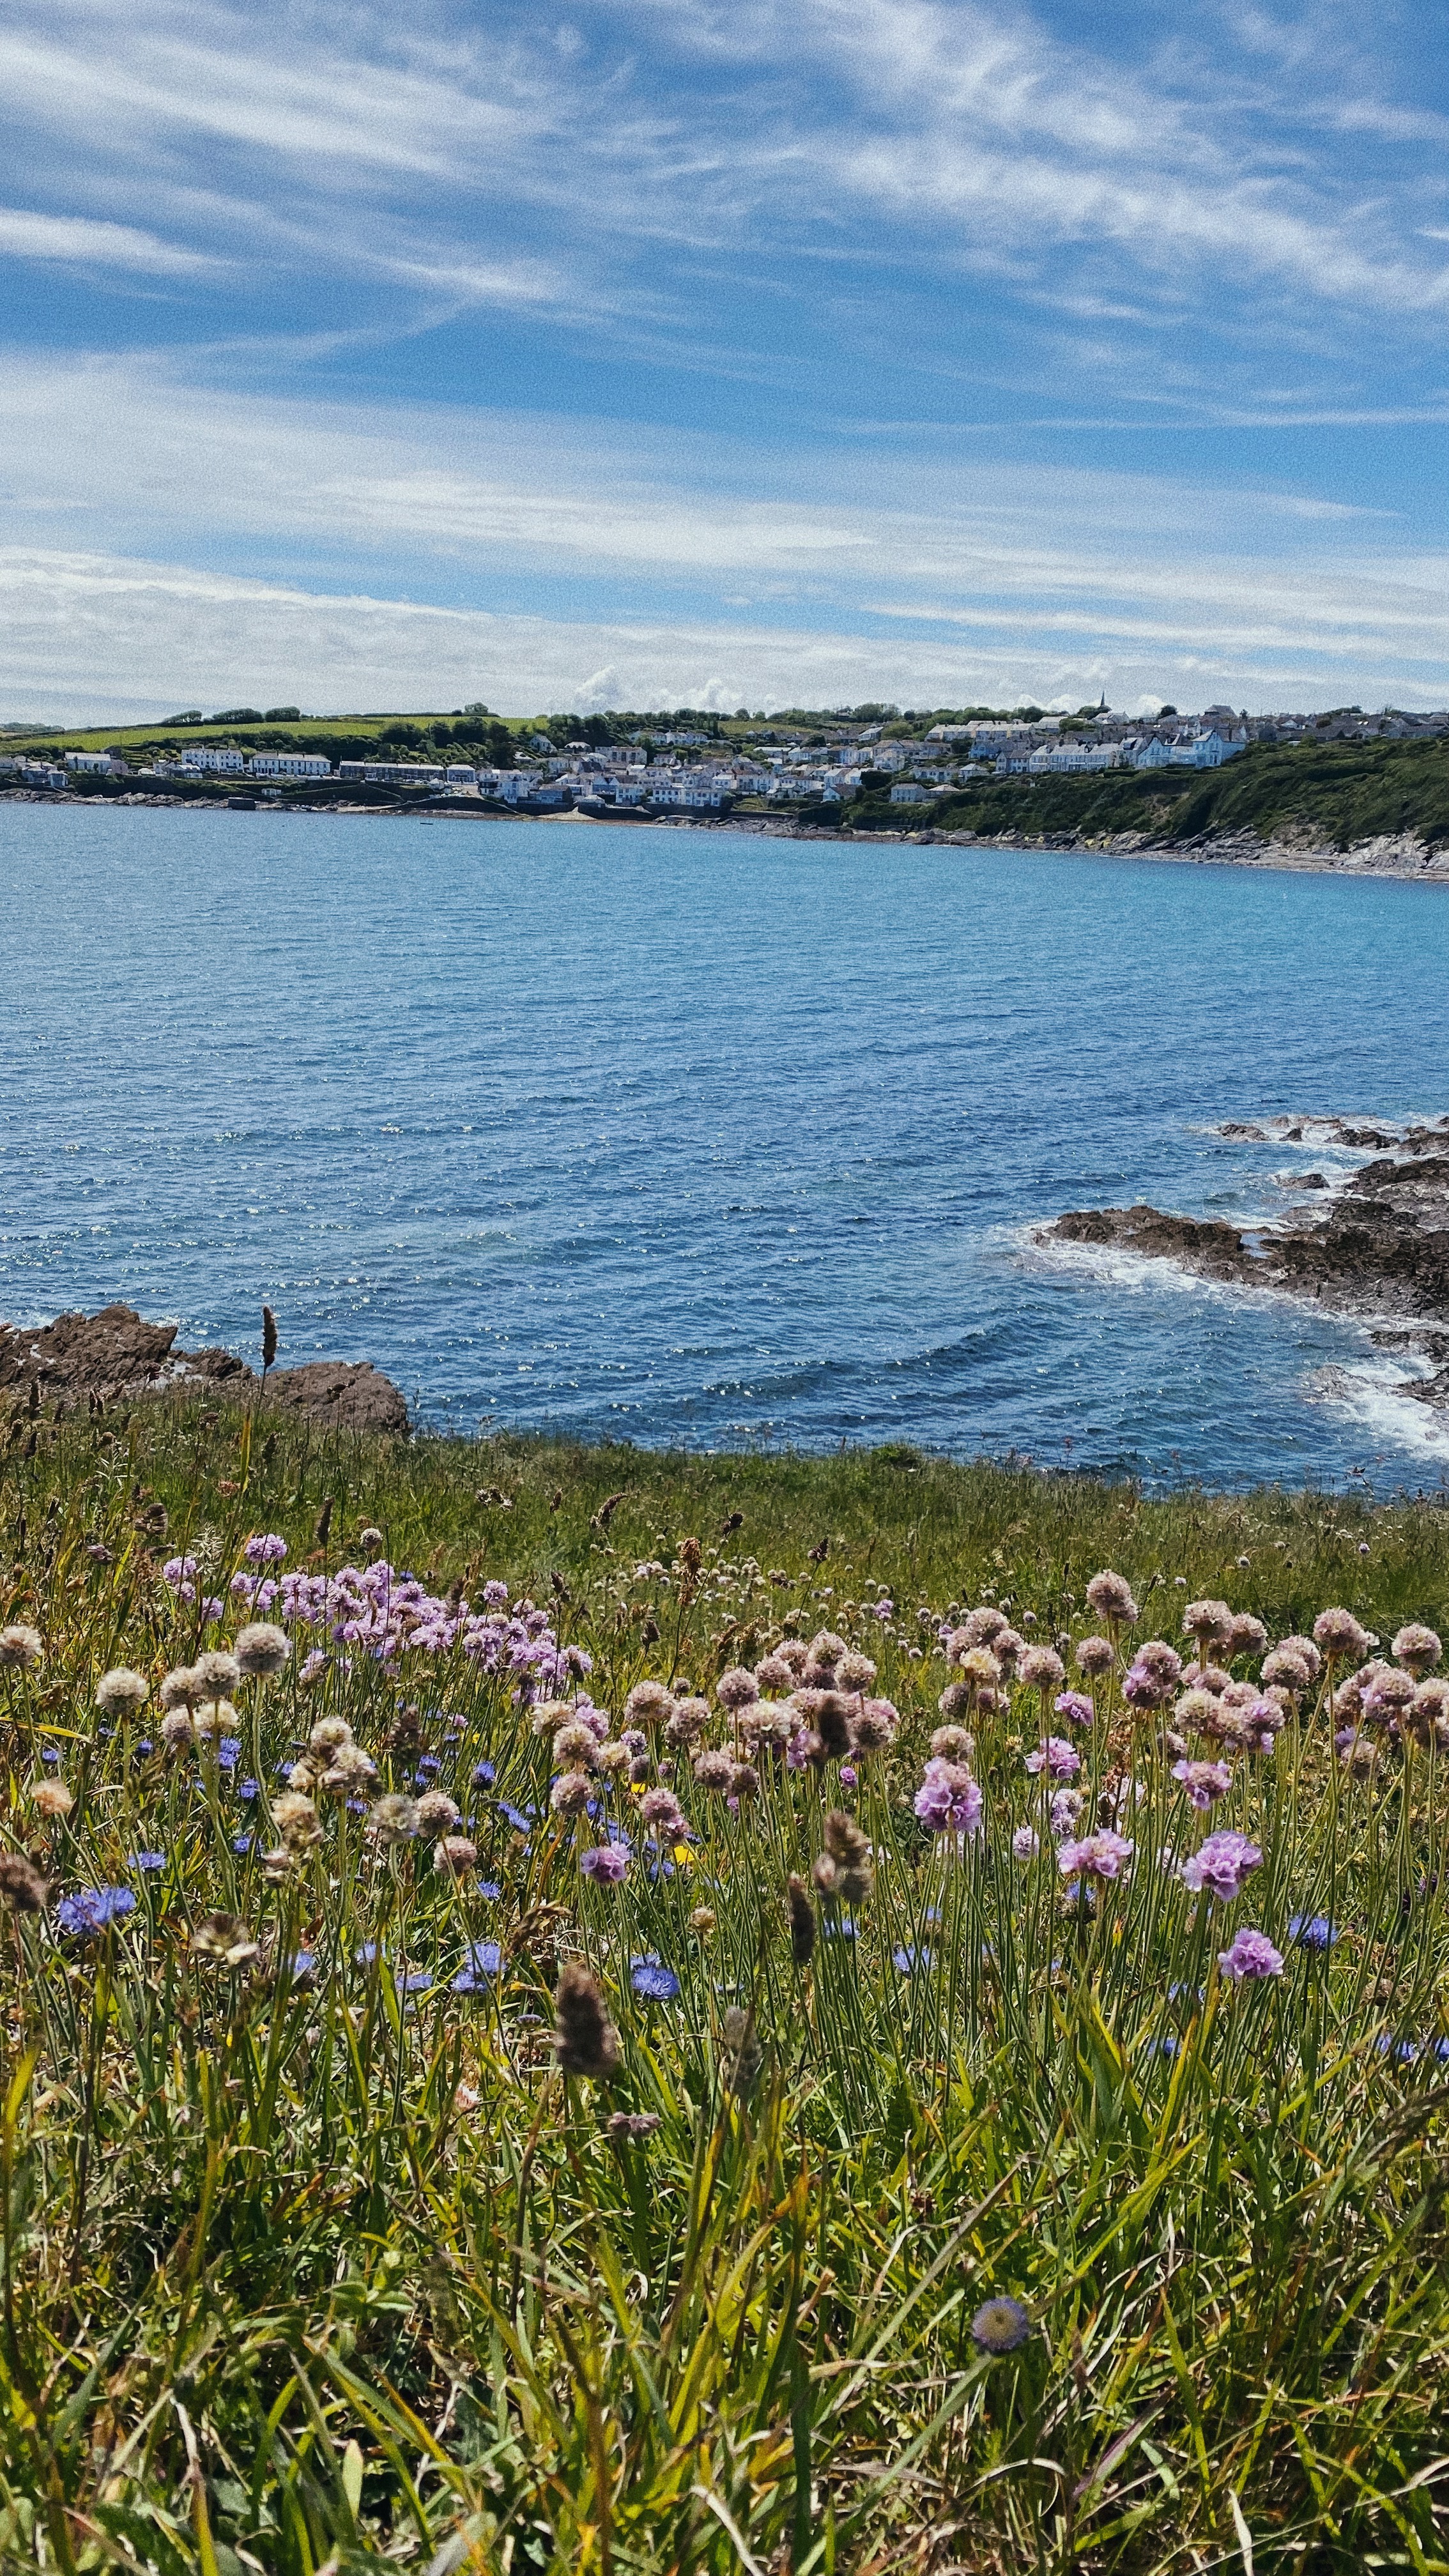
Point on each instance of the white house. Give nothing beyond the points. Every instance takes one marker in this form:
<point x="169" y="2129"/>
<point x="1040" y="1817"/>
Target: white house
<point x="1202" y="750"/>
<point x="1071" y="758"/>
<point x="290" y="764"/>
<point x="393" y="773"/>
<point x="694" y="795"/>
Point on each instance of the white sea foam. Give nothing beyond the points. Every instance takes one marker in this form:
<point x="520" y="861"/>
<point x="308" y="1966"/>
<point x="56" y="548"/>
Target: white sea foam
<point x="1370" y="1392"/>
<point x="1118" y="1267"/>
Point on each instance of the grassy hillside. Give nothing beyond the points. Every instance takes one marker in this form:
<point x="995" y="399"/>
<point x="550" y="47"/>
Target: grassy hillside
<point x="488" y="2150"/>
<point x="1336" y="793"/>
<point x="378" y="737"/>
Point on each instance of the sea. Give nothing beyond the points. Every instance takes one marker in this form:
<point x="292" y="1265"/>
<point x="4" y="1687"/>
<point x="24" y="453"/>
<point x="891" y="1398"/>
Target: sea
<point x="708" y="1138"/>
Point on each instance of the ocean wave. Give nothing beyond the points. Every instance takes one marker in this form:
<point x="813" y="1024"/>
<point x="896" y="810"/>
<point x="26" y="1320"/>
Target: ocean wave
<point x="1371" y="1393"/>
<point x="1117" y="1267"/>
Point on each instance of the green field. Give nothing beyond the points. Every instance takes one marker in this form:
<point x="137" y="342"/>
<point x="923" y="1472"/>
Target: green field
<point x="936" y="2216"/>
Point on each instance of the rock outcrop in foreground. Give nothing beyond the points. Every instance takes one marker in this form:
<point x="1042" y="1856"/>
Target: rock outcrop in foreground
<point x="115" y="1355"/>
<point x="1380" y="1248"/>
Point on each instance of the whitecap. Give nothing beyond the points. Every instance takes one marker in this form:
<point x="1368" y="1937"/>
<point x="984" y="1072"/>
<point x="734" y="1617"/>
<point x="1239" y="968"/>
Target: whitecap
<point x="1371" y="1393"/>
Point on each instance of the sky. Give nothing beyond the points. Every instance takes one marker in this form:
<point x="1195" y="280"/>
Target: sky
<point x="784" y="352"/>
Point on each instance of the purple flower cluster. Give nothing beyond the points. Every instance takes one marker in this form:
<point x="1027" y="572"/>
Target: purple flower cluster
<point x="1252" y="1955"/>
<point x="386" y="1614"/>
<point x="1220" y="1865"/>
<point x="1059" y="1760"/>
<point x="1103" y="1855"/>
<point x="1205" y="1782"/>
<point x="948" y="1799"/>
<point x="1074" y="1708"/>
<point x="605" y="1863"/>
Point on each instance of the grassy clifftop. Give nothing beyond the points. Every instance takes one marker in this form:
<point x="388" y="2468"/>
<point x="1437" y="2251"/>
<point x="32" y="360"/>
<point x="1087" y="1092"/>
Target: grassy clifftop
<point x="1337" y="794"/>
<point x="491" y="2082"/>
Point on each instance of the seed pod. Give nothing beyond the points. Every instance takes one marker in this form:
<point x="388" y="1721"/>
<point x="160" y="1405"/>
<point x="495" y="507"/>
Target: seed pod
<point x="802" y="1922"/>
<point x="742" y="2053"/>
<point x="586" y="2040"/>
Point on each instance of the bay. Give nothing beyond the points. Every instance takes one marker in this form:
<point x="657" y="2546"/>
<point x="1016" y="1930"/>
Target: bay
<point x="701" y="1136"/>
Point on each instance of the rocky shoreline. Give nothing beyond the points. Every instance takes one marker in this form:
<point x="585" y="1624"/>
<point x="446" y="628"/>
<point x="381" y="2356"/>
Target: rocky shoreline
<point x="1402" y="856"/>
<point x="1379" y="1249"/>
<point x="86" y="1361"/>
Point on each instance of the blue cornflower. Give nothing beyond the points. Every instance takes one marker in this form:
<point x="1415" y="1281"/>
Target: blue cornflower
<point x="484" y="1775"/>
<point x="909" y="1958"/>
<point x="145" y="1745"/>
<point x="428" y="1762"/>
<point x="1313" y="1931"/>
<point x="649" y="1978"/>
<point x="489" y="1887"/>
<point x="50" y="1753"/>
<point x="515" y="1817"/>
<point x="838" y="1927"/>
<point x="1166" y="2045"/>
<point x="145" y="1860"/>
<point x="303" y="1966"/>
<point x="483" y="1962"/>
<point x="227" y="1751"/>
<point x="91" y="1909"/>
<point x="365" y="1953"/>
<point x="416" y="1982"/>
<point x="244" y="1844"/>
<point x="1403" y="2051"/>
<point x="247" y="1790"/>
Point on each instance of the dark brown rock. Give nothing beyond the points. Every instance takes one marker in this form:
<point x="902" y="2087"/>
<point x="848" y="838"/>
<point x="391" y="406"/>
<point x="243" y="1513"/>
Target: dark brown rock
<point x="348" y="1395"/>
<point x="112" y="1353"/>
<point x="116" y="1356"/>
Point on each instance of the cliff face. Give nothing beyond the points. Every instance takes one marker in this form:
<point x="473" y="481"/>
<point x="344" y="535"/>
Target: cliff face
<point x="116" y="1355"/>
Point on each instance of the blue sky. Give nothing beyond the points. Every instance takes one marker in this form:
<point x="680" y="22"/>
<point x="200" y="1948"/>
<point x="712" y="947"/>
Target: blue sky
<point x="362" y="357"/>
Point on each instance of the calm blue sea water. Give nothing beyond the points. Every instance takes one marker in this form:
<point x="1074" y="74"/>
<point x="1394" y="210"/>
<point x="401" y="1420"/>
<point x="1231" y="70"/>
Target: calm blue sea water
<point x="703" y="1138"/>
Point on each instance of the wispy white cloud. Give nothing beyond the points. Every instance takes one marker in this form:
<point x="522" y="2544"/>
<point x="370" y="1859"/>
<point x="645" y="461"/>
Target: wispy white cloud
<point x="84" y="243"/>
<point x="1099" y="568"/>
<point x="1230" y="219"/>
<point x="91" y="636"/>
<point x="978" y="132"/>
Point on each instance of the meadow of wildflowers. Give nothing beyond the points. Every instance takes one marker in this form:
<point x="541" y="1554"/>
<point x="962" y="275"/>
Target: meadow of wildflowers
<point x="568" y="2009"/>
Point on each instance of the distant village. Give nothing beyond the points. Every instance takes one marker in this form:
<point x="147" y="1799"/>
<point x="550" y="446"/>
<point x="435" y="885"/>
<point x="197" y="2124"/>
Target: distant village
<point x="662" y="770"/>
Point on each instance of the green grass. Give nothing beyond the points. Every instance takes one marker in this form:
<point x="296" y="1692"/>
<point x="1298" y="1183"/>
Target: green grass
<point x="1335" y="793"/>
<point x="336" y="2272"/>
